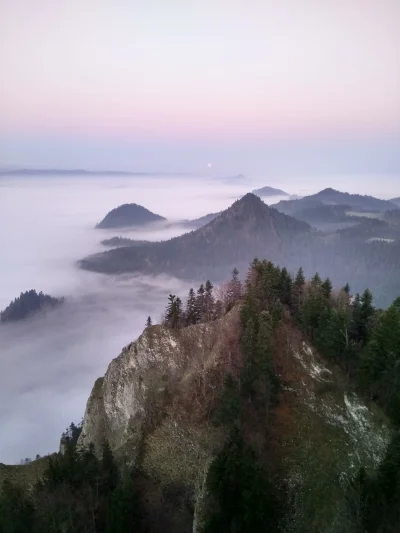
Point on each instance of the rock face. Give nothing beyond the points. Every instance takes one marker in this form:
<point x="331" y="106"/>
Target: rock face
<point x="149" y="406"/>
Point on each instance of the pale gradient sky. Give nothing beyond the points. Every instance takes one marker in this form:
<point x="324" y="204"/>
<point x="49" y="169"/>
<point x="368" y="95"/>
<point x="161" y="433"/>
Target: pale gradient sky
<point x="170" y="84"/>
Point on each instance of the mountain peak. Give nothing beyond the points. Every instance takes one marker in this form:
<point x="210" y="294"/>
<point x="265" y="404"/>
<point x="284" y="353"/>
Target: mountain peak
<point x="329" y="190"/>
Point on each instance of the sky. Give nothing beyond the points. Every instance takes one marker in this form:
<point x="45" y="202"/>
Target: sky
<point x="174" y="85"/>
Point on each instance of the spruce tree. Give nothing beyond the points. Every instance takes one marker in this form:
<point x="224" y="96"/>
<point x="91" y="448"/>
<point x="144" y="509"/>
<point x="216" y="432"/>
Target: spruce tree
<point x="200" y="308"/>
<point x="148" y="322"/>
<point x="191" y="312"/>
<point x="124" y="513"/>
<point x="235" y="287"/>
<point x="285" y="287"/>
<point x="297" y="293"/>
<point x="327" y="288"/>
<point x="208" y="301"/>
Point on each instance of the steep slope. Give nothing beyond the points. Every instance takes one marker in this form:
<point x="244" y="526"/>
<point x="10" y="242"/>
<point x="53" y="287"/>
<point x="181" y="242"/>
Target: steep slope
<point x="269" y="191"/>
<point x="330" y="196"/>
<point x="153" y="406"/>
<point x="128" y="215"/>
<point x="396" y="201"/>
<point x="247" y="229"/>
<point x="201" y="221"/>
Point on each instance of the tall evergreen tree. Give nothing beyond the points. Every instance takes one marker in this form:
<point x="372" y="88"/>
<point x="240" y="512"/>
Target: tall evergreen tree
<point x="191" y="311"/>
<point x="200" y="307"/>
<point x="243" y="497"/>
<point x="173" y="316"/>
<point x="286" y="287"/>
<point x="327" y="288"/>
<point x="124" y="513"/>
<point x="208" y="301"/>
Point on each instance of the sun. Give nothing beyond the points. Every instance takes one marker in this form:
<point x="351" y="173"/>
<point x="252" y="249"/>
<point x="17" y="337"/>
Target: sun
<point x="209" y="165"/>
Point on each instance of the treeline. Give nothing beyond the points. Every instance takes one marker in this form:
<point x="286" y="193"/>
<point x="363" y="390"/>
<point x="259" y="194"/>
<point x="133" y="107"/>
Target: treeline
<point x="79" y="493"/>
<point x="203" y="305"/>
<point x="26" y="304"/>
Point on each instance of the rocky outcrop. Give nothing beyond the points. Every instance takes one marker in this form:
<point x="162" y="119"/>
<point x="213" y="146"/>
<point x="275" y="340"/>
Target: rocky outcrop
<point x="153" y="403"/>
<point x="153" y="406"/>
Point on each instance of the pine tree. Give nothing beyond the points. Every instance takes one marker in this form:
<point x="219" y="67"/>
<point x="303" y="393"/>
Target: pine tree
<point x="381" y="361"/>
<point x="148" y="322"/>
<point x="363" y="312"/>
<point x="285" y="287"/>
<point x="298" y="291"/>
<point x="174" y="313"/>
<point x="243" y="497"/>
<point x="200" y="308"/>
<point x="327" y="288"/>
<point x="300" y="280"/>
<point x="208" y="301"/>
<point x="316" y="281"/>
<point x="235" y="286"/>
<point x="191" y="312"/>
<point x="124" y="513"/>
<point x="346" y="288"/>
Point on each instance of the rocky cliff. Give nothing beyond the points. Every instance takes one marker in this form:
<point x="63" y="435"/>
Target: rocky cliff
<point x="153" y="406"/>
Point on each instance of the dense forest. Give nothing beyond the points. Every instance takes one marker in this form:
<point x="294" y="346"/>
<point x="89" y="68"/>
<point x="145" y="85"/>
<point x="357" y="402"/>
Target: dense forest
<point x="88" y="490"/>
<point x="28" y="303"/>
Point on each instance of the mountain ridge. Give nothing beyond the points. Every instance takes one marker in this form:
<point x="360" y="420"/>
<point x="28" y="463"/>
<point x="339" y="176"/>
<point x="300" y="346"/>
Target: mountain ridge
<point x="334" y="197"/>
<point x="247" y="228"/>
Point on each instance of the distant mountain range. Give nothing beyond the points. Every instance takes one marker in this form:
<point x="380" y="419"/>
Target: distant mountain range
<point x="128" y="215"/>
<point x="248" y="229"/>
<point x="269" y="191"/>
<point x="355" y="202"/>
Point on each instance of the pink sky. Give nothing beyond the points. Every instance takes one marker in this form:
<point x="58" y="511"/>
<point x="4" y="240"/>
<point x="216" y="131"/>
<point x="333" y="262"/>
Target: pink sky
<point x="215" y="70"/>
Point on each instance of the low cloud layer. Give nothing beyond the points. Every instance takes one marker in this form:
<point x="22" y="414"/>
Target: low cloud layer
<point x="48" y="364"/>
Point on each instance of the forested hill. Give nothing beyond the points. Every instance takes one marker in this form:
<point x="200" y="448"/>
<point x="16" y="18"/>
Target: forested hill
<point x="248" y="229"/>
<point x="268" y="404"/>
<point x="27" y="304"/>
<point x="128" y="215"/>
